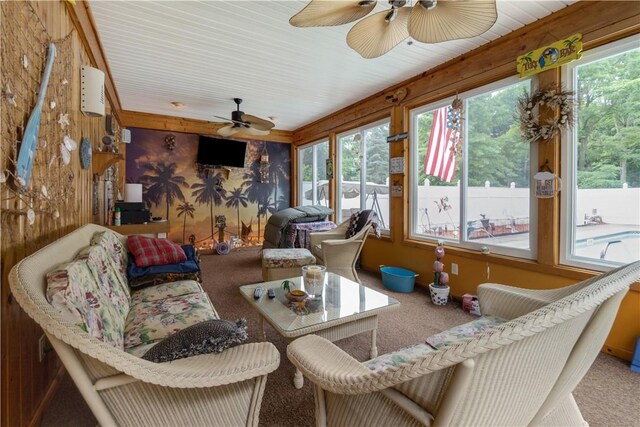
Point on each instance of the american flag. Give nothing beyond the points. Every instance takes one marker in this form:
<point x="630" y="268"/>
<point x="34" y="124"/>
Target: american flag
<point x="440" y="161"/>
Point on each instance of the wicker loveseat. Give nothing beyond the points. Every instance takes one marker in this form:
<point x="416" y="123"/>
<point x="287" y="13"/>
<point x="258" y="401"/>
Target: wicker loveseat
<point x="522" y="372"/>
<point x="119" y="386"/>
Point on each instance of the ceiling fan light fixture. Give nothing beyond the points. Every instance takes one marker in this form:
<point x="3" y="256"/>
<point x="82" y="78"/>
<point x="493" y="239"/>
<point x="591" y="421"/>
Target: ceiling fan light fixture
<point x="428" y="4"/>
<point x="245" y="123"/>
<point x="391" y="15"/>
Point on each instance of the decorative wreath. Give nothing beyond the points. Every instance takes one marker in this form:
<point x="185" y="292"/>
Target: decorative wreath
<point x="553" y="97"/>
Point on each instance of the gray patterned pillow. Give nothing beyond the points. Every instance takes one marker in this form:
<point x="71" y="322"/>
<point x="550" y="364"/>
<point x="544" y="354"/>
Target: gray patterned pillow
<point x="211" y="336"/>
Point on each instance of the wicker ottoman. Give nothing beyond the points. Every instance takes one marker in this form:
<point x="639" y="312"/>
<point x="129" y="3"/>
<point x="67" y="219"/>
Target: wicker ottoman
<point x="284" y="263"/>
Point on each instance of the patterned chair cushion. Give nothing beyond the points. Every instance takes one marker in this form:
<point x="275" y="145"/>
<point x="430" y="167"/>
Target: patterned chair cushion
<point x="359" y="220"/>
<point x="152" y="251"/>
<point x="212" y="336"/>
<point x="404" y="355"/>
<point x="166" y="290"/>
<point x="73" y="288"/>
<point x="466" y="330"/>
<point x="152" y="321"/>
<point x="286" y="258"/>
<point x="434" y="342"/>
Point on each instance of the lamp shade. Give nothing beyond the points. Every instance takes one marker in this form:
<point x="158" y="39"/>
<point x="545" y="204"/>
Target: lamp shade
<point x="133" y="193"/>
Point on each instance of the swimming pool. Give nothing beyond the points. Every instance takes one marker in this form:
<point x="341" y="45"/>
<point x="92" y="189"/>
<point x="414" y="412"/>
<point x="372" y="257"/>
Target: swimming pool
<point x="622" y="247"/>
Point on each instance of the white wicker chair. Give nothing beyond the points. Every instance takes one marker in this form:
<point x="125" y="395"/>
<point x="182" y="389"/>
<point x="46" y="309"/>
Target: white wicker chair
<point x="338" y="254"/>
<point x="522" y="372"/>
<point x="121" y="389"/>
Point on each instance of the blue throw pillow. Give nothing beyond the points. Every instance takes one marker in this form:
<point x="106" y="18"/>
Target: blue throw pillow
<point x="189" y="266"/>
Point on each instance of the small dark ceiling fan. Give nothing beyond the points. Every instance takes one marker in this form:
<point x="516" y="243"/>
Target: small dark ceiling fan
<point x="245" y="123"/>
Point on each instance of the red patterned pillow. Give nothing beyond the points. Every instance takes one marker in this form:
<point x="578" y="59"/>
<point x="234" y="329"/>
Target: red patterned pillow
<point x="150" y="251"/>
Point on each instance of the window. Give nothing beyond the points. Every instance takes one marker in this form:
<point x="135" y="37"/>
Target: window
<point x="312" y="174"/>
<point x="479" y="197"/>
<point x="601" y="211"/>
<point x="363" y="169"/>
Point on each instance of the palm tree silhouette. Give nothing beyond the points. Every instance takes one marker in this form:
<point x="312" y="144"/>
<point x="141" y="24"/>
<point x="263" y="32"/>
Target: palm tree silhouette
<point x="235" y="199"/>
<point x="256" y="191"/>
<point x="186" y="209"/>
<point x="209" y="192"/>
<point x="279" y="171"/>
<point x="161" y="182"/>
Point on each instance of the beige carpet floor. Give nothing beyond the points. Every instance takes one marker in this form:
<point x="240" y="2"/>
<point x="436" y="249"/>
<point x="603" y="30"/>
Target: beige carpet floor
<point x="609" y="395"/>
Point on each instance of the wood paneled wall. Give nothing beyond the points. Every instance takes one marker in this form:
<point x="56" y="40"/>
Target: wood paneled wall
<point x="27" y="383"/>
<point x="600" y="22"/>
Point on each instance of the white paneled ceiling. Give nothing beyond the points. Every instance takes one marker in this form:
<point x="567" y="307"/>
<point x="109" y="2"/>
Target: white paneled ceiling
<point x="204" y="53"/>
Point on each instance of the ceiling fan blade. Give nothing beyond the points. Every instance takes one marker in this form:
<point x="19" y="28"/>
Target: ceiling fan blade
<point x="374" y="36"/>
<point x="254" y="131"/>
<point x="451" y="20"/>
<point x="326" y="13"/>
<point x="228" y="130"/>
<point x="257" y="122"/>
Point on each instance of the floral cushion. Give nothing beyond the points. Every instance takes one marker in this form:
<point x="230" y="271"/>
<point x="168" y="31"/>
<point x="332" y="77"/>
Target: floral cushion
<point x="166" y="290"/>
<point x="286" y="258"/>
<point x="115" y="249"/>
<point x="111" y="283"/>
<point x="405" y="355"/>
<point x="151" y="321"/>
<point x="74" y="289"/>
<point x="466" y="330"/>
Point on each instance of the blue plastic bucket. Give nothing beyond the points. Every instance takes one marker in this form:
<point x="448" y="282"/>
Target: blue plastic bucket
<point x="398" y="279"/>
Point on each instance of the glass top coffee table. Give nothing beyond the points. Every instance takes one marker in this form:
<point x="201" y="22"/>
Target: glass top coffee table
<point x="344" y="309"/>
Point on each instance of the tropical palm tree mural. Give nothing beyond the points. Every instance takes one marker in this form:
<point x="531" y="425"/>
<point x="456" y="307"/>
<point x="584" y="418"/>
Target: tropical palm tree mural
<point x="256" y="191"/>
<point x="236" y="198"/>
<point x="279" y="171"/>
<point x="161" y="181"/>
<point x="209" y="192"/>
<point x="185" y="209"/>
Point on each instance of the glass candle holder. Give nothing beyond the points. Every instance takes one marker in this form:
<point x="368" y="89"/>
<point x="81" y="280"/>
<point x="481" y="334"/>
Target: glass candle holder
<point x="313" y="279"/>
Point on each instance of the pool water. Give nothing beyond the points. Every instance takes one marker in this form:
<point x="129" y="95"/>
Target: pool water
<point x="621" y="247"/>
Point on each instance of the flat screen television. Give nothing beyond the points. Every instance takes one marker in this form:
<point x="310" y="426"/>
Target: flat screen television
<point x="221" y="152"/>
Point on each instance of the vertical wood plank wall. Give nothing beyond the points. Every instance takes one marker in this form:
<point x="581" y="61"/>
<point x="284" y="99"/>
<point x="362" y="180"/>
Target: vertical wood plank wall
<point x="26" y="382"/>
<point x="600" y="22"/>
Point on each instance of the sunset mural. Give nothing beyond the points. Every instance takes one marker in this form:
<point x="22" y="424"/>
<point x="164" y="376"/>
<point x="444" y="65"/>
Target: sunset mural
<point x="194" y="202"/>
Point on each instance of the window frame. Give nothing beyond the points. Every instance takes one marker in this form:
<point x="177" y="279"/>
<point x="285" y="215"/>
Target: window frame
<point x="314" y="166"/>
<point x="414" y="162"/>
<point x="363" y="167"/>
<point x="569" y="152"/>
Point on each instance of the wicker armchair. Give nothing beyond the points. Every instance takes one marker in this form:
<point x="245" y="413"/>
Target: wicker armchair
<point x="338" y="254"/>
<point x="122" y="389"/>
<point x="522" y="372"/>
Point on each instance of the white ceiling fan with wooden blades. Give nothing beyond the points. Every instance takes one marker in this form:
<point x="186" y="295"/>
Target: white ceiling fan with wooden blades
<point x="426" y="21"/>
<point x="245" y="123"/>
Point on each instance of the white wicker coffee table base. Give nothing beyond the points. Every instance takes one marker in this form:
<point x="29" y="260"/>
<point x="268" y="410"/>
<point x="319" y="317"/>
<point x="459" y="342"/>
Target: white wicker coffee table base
<point x="332" y="333"/>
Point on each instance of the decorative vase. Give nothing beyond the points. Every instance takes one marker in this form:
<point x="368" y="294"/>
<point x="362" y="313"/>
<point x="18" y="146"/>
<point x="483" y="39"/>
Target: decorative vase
<point x="439" y="294"/>
<point x="313" y="279"/>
